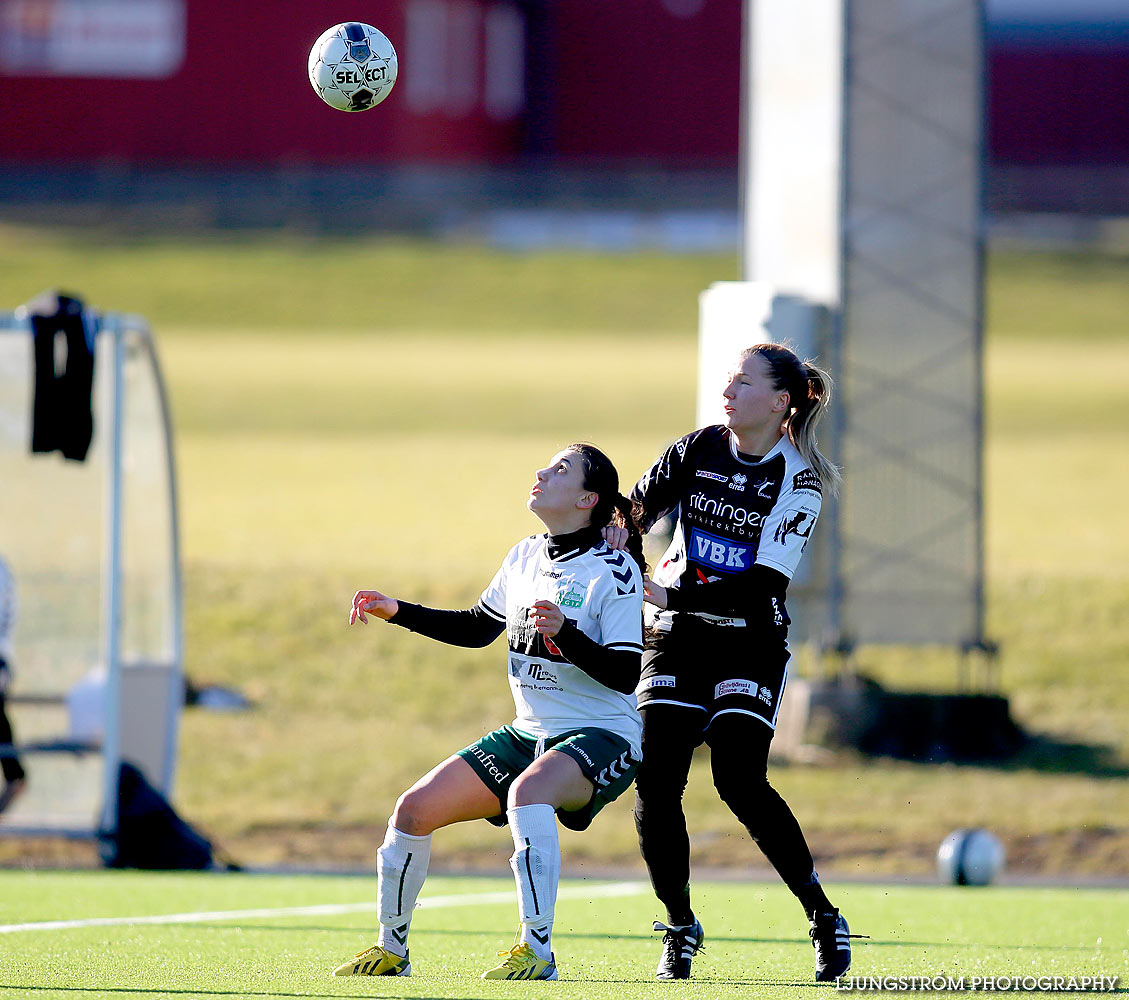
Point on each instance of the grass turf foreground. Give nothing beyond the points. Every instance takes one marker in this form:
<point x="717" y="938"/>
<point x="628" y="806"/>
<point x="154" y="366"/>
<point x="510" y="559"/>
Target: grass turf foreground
<point x="281" y="936"/>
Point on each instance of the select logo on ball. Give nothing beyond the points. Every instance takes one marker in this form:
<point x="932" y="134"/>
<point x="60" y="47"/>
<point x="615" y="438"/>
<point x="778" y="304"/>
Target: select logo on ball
<point x="371" y="75"/>
<point x="352" y="66"/>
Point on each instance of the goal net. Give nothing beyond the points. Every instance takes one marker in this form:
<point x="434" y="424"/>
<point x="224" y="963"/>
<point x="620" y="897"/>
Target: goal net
<point x="92" y="547"/>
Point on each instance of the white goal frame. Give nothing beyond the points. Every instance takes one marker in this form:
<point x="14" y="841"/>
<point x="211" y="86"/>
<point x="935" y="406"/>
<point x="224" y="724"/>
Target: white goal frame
<point x="144" y="692"/>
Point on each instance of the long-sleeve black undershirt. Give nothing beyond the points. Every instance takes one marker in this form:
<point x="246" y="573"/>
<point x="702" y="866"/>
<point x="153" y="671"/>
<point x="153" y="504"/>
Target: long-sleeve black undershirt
<point x="617" y="669"/>
<point x="743" y="594"/>
<point x="473" y="627"/>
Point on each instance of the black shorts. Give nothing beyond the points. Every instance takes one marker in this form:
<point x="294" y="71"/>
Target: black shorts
<point x="716" y="669"/>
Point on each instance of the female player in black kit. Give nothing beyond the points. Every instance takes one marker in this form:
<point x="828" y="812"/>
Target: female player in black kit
<point x="746" y="495"/>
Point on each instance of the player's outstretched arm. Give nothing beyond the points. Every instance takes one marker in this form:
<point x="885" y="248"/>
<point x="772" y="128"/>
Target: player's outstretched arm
<point x="372" y="602"/>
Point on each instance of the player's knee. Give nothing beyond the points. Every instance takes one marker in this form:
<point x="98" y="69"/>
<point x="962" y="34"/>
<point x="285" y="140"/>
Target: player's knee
<point x="523" y="792"/>
<point x="742" y="793"/>
<point x="658" y="782"/>
<point x="533" y="789"/>
<point x="413" y="814"/>
<point x="657" y="805"/>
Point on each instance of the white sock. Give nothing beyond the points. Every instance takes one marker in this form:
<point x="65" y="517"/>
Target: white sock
<point x="401" y="867"/>
<point x="536" y="863"/>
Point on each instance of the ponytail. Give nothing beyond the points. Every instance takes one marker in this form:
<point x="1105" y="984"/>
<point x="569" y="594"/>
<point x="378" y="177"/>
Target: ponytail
<point x="625" y="515"/>
<point x="801" y="425"/>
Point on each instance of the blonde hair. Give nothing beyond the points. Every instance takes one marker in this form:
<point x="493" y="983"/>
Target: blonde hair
<point x="809" y="394"/>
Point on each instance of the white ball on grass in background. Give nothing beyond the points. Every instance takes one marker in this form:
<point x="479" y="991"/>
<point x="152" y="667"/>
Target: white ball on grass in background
<point x="352" y="66"/>
<point x="970" y="857"/>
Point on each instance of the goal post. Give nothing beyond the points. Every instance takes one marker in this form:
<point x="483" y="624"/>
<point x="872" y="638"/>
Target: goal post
<point x="92" y="544"/>
<point x="862" y="157"/>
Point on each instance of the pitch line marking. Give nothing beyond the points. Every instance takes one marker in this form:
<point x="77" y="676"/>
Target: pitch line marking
<point x="324" y="909"/>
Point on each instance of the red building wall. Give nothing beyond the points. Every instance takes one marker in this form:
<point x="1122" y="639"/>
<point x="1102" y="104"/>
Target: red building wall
<point x="241" y="95"/>
<point x="654" y="81"/>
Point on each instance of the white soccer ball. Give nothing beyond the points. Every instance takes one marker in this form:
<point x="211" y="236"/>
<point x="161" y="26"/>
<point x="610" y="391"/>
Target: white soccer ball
<point x="352" y="66"/>
<point x="970" y="857"/>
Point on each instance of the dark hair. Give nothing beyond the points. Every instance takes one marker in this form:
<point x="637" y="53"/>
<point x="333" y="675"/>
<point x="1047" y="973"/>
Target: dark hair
<point x="601" y="477"/>
<point x="809" y="395"/>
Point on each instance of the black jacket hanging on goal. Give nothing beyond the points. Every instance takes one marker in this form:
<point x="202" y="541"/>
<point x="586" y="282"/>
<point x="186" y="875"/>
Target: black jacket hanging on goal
<point x="61" y="414"/>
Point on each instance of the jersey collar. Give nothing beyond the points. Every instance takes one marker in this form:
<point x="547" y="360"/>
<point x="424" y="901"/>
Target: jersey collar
<point x="567" y="546"/>
<point x="774" y="450"/>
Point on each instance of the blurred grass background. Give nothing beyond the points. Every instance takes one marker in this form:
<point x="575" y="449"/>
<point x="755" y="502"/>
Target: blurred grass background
<point x="365" y="413"/>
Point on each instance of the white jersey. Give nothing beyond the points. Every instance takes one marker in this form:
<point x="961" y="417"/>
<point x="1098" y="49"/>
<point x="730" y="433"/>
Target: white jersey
<point x="601" y="592"/>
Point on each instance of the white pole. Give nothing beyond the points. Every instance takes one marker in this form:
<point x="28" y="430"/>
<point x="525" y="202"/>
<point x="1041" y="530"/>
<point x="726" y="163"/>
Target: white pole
<point x="111" y="741"/>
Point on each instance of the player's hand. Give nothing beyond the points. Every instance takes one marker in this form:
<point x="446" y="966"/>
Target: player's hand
<point x="547" y="617"/>
<point x="653" y="593"/>
<point x="374" y="603"/>
<point x="615" y="536"/>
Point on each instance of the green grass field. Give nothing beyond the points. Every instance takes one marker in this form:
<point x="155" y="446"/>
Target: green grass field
<point x="355" y="413"/>
<point x="112" y="934"/>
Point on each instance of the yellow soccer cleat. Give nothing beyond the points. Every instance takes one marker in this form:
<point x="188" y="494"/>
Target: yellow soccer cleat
<point x="521" y="962"/>
<point x="375" y="961"/>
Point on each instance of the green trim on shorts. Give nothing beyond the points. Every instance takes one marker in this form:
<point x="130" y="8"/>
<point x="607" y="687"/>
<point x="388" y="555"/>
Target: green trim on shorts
<point x="605" y="759"/>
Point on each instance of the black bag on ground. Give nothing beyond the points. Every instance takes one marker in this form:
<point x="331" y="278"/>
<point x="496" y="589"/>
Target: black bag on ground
<point x="150" y="834"/>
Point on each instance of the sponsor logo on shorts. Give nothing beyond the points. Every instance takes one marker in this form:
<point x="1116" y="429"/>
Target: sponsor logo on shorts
<point x="765" y="695"/>
<point x="657" y="681"/>
<point x="488" y="765"/>
<point x="580" y="753"/>
<point x="777" y="614"/>
<point x="736" y="686"/>
<point x="714" y="476"/>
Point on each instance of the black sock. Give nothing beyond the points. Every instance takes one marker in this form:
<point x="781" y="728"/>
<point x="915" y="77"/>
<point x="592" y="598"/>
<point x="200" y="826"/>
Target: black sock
<point x="812" y="897"/>
<point x="678" y="911"/>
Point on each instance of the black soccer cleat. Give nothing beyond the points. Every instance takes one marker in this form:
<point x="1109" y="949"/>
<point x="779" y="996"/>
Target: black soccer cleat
<point x="680" y="944"/>
<point x="831" y="938"/>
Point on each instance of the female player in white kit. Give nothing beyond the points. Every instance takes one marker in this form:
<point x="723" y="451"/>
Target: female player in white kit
<point x="572" y="610"/>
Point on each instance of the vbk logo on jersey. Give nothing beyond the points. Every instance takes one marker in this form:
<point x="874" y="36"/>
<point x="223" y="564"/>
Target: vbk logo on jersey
<point x="719" y="553"/>
<point x="705" y="474"/>
<point x="739" y="480"/>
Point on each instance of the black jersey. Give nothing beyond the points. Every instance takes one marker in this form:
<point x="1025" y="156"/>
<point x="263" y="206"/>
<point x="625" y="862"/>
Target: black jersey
<point x="732" y="514"/>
